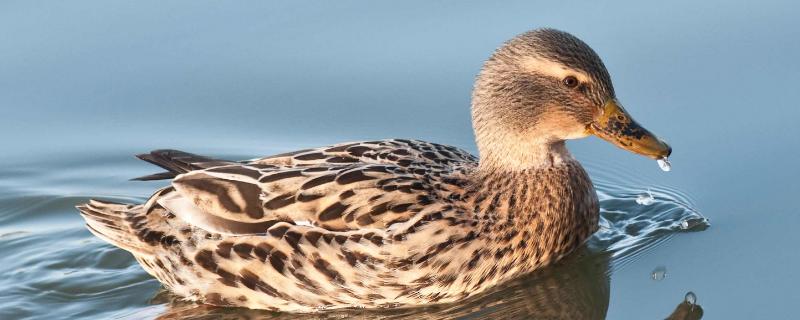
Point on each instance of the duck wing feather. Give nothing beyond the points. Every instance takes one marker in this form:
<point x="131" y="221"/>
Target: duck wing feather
<point x="350" y="186"/>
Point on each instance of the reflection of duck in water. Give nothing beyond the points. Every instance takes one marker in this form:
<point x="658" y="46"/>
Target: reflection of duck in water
<point x="688" y="309"/>
<point x="576" y="289"/>
<point x="391" y="222"/>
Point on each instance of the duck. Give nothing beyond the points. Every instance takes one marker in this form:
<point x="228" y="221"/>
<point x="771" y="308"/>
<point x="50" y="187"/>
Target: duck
<point x="396" y="222"/>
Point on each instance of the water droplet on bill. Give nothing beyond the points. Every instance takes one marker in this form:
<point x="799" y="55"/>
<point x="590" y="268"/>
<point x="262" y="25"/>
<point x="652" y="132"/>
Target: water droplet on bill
<point x="645" y="199"/>
<point x="659" y="273"/>
<point x="664" y="164"/>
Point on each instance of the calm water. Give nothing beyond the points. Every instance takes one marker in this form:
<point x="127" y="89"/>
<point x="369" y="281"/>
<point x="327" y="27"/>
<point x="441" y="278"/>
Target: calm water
<point x="85" y="85"/>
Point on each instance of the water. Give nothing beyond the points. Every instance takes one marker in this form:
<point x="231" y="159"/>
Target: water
<point x="659" y="273"/>
<point x="664" y="164"/>
<point x="646" y="199"/>
<point x="690" y="298"/>
<point x="85" y="85"/>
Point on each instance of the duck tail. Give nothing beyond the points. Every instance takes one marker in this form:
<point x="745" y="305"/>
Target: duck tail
<point x="107" y="220"/>
<point x="176" y="162"/>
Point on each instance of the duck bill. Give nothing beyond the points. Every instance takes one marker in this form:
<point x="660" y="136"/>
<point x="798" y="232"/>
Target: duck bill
<point x="615" y="125"/>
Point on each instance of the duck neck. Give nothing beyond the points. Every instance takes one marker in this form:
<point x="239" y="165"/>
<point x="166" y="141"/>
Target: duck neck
<point x="538" y="184"/>
<point x="534" y="185"/>
<point x="516" y="155"/>
<point x="547" y="211"/>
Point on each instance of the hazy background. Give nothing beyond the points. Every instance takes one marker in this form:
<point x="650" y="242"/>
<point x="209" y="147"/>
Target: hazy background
<point x="82" y="80"/>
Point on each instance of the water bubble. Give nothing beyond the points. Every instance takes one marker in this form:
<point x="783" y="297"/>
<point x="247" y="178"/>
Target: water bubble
<point x="690" y="298"/>
<point x="692" y="223"/>
<point x="664" y="164"/>
<point x="645" y="199"/>
<point x="659" y="273"/>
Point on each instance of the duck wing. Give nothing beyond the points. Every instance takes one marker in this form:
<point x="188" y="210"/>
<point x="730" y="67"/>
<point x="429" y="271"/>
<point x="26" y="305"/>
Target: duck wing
<point x="400" y="152"/>
<point x="343" y="187"/>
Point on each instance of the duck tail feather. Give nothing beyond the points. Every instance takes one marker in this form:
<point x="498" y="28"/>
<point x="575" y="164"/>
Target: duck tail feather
<point x="176" y="162"/>
<point x="107" y="221"/>
<point x="156" y="176"/>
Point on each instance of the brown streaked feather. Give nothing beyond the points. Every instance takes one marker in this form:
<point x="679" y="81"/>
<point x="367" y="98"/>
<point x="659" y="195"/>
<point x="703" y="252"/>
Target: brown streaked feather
<point x="395" y="224"/>
<point x="298" y="187"/>
<point x="399" y="152"/>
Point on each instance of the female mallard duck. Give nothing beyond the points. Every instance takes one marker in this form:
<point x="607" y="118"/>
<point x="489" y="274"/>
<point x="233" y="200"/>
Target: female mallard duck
<point x="390" y="222"/>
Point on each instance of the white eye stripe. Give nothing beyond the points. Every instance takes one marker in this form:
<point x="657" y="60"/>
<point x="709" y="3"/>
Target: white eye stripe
<point x="553" y="69"/>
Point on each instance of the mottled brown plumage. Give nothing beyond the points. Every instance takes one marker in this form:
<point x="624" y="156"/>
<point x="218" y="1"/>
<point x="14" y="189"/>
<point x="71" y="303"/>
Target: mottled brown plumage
<point x="383" y="223"/>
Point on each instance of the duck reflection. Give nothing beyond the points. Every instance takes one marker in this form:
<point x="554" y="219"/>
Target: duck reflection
<point x="687" y="310"/>
<point x="576" y="288"/>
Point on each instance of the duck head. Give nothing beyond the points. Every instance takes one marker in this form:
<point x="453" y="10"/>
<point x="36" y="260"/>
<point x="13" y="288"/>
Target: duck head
<point x="544" y="87"/>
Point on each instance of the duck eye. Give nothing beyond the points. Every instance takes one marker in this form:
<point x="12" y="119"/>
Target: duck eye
<point x="571" y="81"/>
